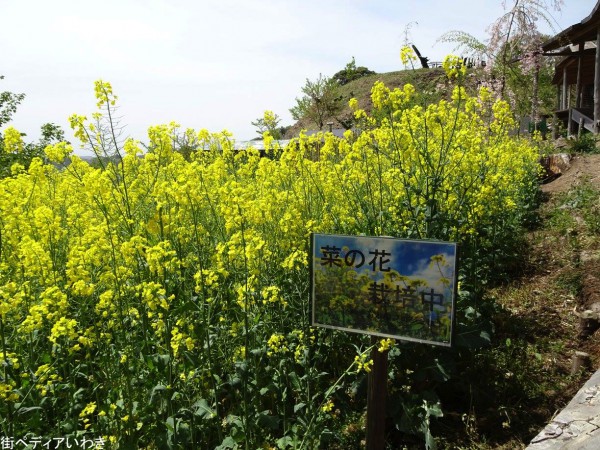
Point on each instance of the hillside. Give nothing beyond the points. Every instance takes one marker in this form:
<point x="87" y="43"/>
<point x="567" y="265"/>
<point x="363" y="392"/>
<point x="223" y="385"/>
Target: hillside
<point x="431" y="85"/>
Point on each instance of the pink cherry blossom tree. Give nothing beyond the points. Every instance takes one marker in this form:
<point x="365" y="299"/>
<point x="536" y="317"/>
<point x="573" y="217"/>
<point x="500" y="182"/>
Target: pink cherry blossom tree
<point x="512" y="50"/>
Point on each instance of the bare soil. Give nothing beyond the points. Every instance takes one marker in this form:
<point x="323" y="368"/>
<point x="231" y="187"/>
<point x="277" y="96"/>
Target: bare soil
<point x="582" y="166"/>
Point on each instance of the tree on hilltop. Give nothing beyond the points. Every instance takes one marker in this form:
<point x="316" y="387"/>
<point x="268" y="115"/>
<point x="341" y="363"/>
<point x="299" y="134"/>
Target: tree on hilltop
<point x="351" y="72"/>
<point x="320" y="101"/>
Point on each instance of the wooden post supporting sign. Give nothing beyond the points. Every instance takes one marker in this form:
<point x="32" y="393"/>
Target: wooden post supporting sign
<point x="376" y="398"/>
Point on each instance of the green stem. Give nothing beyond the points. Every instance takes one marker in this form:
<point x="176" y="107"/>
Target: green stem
<point x="9" y="405"/>
<point x="246" y="418"/>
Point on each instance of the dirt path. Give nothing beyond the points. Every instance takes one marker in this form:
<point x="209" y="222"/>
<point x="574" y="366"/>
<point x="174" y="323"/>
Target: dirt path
<point x="582" y="167"/>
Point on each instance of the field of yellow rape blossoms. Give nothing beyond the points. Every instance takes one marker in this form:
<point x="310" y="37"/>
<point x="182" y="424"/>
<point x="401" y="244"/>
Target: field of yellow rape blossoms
<point x="161" y="301"/>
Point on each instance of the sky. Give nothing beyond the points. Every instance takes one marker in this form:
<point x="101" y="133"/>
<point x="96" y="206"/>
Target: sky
<point x="213" y="64"/>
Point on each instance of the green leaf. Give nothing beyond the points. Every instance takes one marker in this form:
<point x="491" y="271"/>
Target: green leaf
<point x="295" y="381"/>
<point x="227" y="444"/>
<point x="443" y="368"/>
<point x="236" y="381"/>
<point x="299" y="406"/>
<point x="157" y="390"/>
<point x="235" y="421"/>
<point x="485" y="336"/>
<point x="170" y="423"/>
<point x="26" y="410"/>
<point x="285" y="442"/>
<point x="202" y="409"/>
<point x="429" y="441"/>
<point x="78" y="393"/>
<point x="434" y="410"/>
<point x="271" y="387"/>
<point x="267" y="421"/>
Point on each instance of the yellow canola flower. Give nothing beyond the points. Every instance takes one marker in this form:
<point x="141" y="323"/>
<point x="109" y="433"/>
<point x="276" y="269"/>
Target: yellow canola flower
<point x="454" y="66"/>
<point x="58" y="152"/>
<point x="13" y="142"/>
<point x="385" y="345"/>
<point x="328" y="406"/>
<point x="353" y="104"/>
<point x="77" y="123"/>
<point x="63" y="328"/>
<point x="88" y="410"/>
<point x="104" y="93"/>
<point x="277" y="344"/>
<point x="362" y="363"/>
<point x="171" y="252"/>
<point x="407" y="55"/>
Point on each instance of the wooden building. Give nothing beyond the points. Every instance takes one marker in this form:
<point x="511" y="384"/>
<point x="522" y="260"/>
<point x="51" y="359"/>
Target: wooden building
<point x="577" y="75"/>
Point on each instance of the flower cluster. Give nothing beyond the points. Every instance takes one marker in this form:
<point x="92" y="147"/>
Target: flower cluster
<point x="407" y="56"/>
<point x="164" y="286"/>
<point x="13" y="142"/>
<point x="362" y="363"/>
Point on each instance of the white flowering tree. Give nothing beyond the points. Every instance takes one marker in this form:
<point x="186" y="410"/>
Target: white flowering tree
<point x="513" y="52"/>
